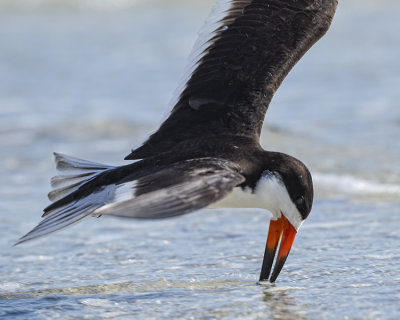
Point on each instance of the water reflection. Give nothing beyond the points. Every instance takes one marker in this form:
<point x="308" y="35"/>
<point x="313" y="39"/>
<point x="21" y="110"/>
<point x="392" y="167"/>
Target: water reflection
<point x="280" y="303"/>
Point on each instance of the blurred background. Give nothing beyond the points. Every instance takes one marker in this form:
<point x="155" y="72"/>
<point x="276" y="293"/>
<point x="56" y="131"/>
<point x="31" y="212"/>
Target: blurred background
<point x="93" y="78"/>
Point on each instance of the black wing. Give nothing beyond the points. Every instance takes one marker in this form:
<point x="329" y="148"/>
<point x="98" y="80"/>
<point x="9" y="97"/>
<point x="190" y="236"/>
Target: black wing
<point x="159" y="192"/>
<point x="174" y="190"/>
<point x="238" y="67"/>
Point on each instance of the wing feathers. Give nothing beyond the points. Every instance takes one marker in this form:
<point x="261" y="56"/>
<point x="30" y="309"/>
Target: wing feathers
<point x="176" y="199"/>
<point x="67" y="216"/>
<point x="173" y="190"/>
<point x="64" y="162"/>
<point x="239" y="61"/>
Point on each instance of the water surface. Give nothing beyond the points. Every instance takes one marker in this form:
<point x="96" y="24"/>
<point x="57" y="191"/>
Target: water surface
<point x="93" y="80"/>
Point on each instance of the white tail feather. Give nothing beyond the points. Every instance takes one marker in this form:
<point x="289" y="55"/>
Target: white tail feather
<point x="75" y="173"/>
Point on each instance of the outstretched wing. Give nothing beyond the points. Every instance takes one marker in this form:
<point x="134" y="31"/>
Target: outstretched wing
<point x="175" y="190"/>
<point x="153" y="193"/>
<point x="244" y="51"/>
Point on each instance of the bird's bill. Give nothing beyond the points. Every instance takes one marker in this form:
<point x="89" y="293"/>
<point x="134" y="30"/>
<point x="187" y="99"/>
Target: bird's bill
<point x="280" y="229"/>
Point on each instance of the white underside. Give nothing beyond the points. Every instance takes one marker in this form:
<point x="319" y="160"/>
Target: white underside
<point x="270" y="194"/>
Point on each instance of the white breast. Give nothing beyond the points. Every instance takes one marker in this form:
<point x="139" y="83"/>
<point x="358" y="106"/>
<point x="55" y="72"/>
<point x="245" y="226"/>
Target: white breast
<point x="270" y="194"/>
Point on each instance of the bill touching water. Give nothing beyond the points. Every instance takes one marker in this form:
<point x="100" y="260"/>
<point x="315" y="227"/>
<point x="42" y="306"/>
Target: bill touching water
<point x="345" y="131"/>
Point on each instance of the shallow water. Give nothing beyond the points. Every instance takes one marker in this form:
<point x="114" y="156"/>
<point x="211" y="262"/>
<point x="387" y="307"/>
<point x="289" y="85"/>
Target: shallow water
<point x="93" y="81"/>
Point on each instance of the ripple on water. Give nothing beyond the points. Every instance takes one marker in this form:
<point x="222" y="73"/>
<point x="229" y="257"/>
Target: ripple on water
<point x="345" y="261"/>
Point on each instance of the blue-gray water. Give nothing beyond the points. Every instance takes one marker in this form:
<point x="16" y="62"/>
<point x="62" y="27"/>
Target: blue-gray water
<point x="92" y="79"/>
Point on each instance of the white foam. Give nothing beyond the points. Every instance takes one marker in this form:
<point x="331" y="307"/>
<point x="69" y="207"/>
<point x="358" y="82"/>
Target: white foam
<point x="353" y="185"/>
<point x="34" y="258"/>
<point x="9" y="286"/>
<point x="93" y="302"/>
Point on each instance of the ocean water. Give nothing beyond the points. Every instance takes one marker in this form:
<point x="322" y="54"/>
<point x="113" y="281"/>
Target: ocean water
<point x="92" y="79"/>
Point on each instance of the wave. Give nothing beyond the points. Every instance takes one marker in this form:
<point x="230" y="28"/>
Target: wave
<point x="352" y="185"/>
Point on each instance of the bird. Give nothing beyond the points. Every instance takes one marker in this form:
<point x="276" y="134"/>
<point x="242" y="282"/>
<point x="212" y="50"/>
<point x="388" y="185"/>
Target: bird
<point x="207" y="153"/>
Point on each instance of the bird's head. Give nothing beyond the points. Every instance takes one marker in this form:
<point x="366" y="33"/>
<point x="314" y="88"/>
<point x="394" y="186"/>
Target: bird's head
<point x="287" y="189"/>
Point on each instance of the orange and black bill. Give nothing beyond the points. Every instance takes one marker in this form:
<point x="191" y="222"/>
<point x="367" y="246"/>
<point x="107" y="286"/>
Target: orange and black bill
<point x="280" y="229"/>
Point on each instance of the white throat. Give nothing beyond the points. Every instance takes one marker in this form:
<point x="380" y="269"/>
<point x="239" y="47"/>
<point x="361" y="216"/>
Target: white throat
<point x="270" y="194"/>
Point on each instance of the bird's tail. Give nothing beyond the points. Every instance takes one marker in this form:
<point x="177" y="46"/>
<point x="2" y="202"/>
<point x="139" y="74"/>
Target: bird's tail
<point x="73" y="173"/>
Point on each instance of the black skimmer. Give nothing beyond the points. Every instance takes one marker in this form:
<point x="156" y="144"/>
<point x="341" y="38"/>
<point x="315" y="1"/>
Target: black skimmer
<point x="207" y="153"/>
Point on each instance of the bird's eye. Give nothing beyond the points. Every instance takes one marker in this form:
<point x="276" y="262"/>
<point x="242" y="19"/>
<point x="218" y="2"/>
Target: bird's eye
<point x="300" y="201"/>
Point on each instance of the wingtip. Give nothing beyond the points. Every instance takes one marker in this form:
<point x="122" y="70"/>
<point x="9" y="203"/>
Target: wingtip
<point x="20" y="241"/>
<point x="25" y="238"/>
